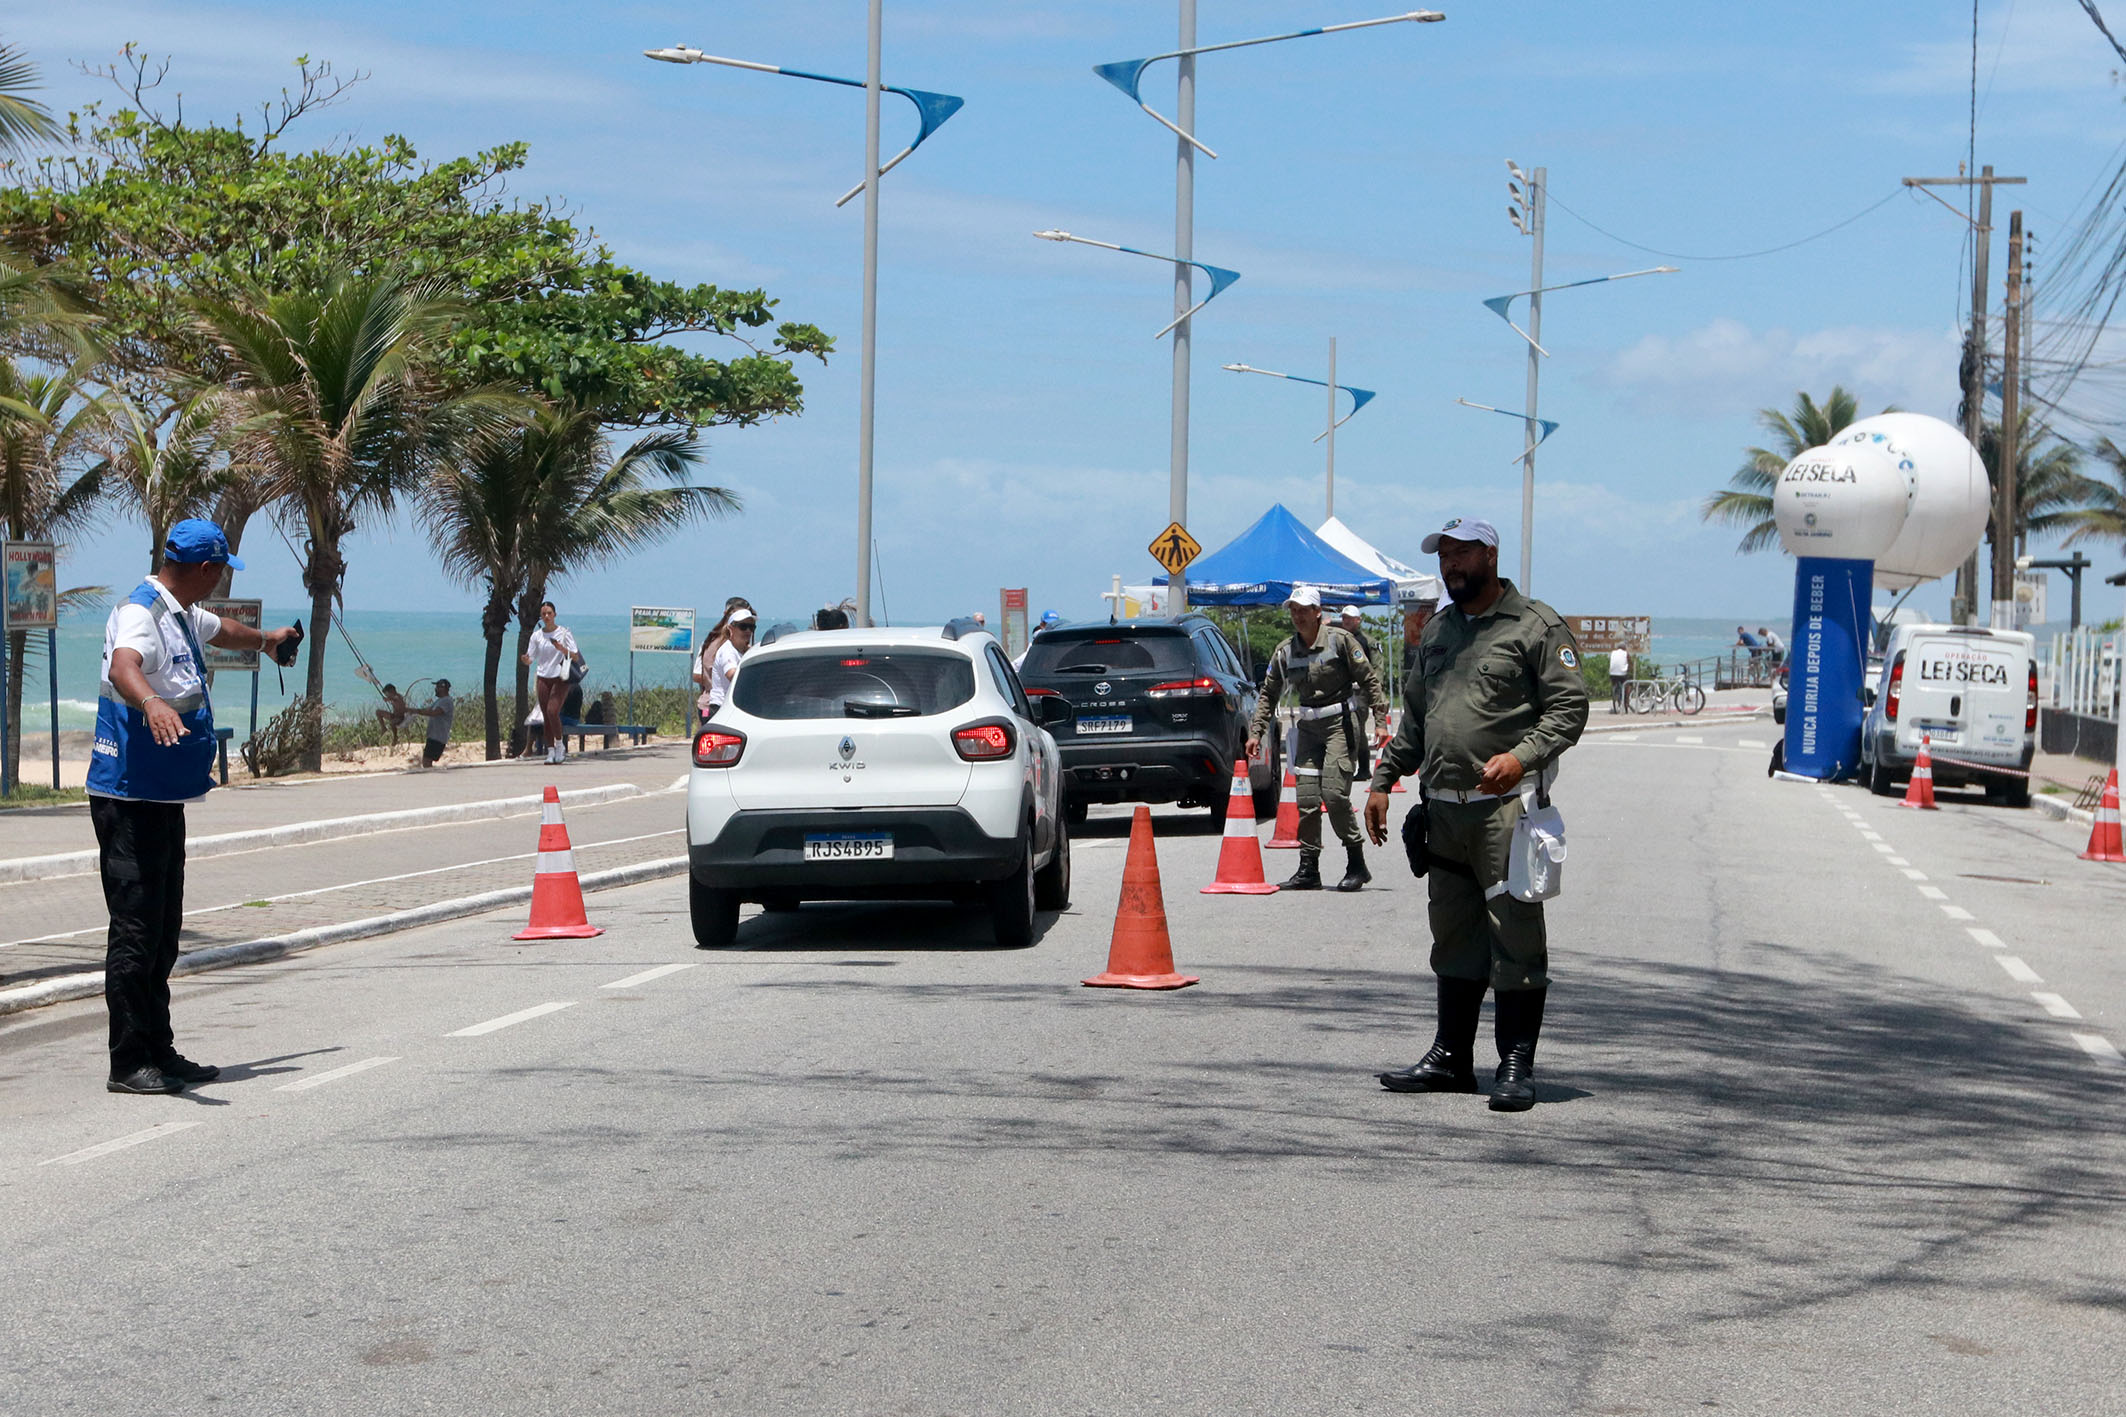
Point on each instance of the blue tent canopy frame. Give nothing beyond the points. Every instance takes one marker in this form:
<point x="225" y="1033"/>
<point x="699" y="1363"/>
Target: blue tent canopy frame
<point x="1263" y="565"/>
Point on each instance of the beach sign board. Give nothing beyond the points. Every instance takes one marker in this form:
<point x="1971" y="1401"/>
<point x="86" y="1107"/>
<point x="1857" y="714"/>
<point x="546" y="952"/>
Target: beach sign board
<point x="243" y="612"/>
<point x="29" y="585"/>
<point x="654" y="629"/>
<point x="1599" y="634"/>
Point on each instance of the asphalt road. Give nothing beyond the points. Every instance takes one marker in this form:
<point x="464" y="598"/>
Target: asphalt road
<point x="1806" y="1144"/>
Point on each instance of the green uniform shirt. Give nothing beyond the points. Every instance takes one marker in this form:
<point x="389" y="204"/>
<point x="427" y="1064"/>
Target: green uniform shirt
<point x="1506" y="681"/>
<point x="1323" y="675"/>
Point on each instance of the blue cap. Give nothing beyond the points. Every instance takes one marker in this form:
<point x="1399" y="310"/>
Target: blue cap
<point x="193" y="541"/>
<point x="1049" y="617"/>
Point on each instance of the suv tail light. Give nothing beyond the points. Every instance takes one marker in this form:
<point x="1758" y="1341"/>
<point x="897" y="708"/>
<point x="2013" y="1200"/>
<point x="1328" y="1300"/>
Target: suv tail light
<point x="718" y="747"/>
<point x="1042" y="694"/>
<point x="985" y="741"/>
<point x="2030" y="713"/>
<point x="1185" y="689"/>
<point x="1897" y="680"/>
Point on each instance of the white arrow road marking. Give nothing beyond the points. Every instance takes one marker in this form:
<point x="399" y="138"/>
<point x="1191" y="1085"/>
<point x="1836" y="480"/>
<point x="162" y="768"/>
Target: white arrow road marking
<point x="520" y="1016"/>
<point x="90" y="1153"/>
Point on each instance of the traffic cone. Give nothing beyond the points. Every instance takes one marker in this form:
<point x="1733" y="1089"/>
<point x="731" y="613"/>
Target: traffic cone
<point x="1239" y="852"/>
<point x="1141" y="956"/>
<point x="1920" y="791"/>
<point x="557" y="896"/>
<point x="1284" y="836"/>
<point x="2104" y="843"/>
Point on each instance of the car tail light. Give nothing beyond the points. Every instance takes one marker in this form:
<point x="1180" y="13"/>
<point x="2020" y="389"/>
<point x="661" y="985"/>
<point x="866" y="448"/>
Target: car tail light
<point x="1184" y="689"/>
<point x="718" y="747"/>
<point x="981" y="742"/>
<point x="1897" y="680"/>
<point x="2030" y="713"/>
<point x="1043" y="694"/>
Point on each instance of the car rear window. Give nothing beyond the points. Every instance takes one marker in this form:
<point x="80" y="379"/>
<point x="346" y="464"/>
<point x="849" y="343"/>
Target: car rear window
<point x="854" y="683"/>
<point x="1107" y="654"/>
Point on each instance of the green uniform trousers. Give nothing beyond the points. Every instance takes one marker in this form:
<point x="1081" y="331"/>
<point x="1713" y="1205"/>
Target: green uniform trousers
<point x="1322" y="763"/>
<point x="1478" y="931"/>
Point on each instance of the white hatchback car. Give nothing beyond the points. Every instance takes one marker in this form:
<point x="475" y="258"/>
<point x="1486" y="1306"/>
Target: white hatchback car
<point x="874" y="765"/>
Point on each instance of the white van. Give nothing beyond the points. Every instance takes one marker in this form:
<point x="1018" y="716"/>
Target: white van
<point x="1972" y="692"/>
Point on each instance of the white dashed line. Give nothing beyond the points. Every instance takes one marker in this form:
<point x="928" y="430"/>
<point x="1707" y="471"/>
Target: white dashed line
<point x="1884" y="847"/>
<point x="1911" y="874"/>
<point x="1900" y="861"/>
<point x="90" y="1153"/>
<point x="1933" y="892"/>
<point x="1957" y="912"/>
<point x="1752" y="743"/>
<point x="2056" y="1006"/>
<point x="2018" y="971"/>
<point x="1986" y="937"/>
<point x="2099" y="1047"/>
<point x="1687" y="738"/>
<point x="1870" y="834"/>
<point x="648" y="974"/>
<point x="320" y="1079"/>
<point x="520" y="1016"/>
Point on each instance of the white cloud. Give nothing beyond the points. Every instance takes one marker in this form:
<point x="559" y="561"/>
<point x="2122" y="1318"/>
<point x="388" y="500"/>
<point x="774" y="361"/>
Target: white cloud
<point x="2022" y="48"/>
<point x="1726" y="367"/>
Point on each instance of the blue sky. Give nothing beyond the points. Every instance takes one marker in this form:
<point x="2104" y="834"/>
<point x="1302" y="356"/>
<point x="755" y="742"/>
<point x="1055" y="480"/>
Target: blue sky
<point x="1022" y="429"/>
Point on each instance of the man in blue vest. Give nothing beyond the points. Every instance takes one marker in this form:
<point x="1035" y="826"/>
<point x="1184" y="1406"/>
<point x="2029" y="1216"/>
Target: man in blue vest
<point x="154" y="752"/>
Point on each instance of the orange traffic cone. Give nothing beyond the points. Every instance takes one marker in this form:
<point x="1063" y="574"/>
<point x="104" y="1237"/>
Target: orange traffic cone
<point x="1920" y="791"/>
<point x="2104" y="843"/>
<point x="1239" y="852"/>
<point x="1284" y="836"/>
<point x="557" y="896"/>
<point x="1141" y="956"/>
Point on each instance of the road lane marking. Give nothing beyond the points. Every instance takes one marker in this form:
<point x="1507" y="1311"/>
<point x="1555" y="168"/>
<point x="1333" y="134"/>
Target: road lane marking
<point x="320" y="1079"/>
<point x="1933" y="892"/>
<point x="1884" y="847"/>
<point x="2055" y="1005"/>
<point x="648" y="974"/>
<point x="1688" y="738"/>
<point x="90" y="1153"/>
<point x="1910" y="873"/>
<point x="1753" y="743"/>
<point x="1986" y="937"/>
<point x="2018" y="971"/>
<point x="2099" y="1047"/>
<point x="520" y="1016"/>
<point x="1870" y="834"/>
<point x="1900" y="861"/>
<point x="1957" y="912"/>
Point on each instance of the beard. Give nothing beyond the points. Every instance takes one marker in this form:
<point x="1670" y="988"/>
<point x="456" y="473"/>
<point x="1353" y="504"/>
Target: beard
<point x="1462" y="589"/>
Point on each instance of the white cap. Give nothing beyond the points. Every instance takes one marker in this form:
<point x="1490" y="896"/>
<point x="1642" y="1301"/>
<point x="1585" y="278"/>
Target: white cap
<point x="1461" y="529"/>
<point x="741" y="616"/>
<point x="1351" y="612"/>
<point x="1304" y="595"/>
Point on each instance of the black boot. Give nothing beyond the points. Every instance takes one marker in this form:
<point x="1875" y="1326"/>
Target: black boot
<point x="1308" y="876"/>
<point x="1519" y="1020"/>
<point x="1451" y="1065"/>
<point x="1355" y="873"/>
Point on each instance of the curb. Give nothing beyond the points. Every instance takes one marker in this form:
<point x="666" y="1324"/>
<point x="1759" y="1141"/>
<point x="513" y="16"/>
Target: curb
<point x="1734" y="716"/>
<point x="83" y="863"/>
<point x="2061" y="811"/>
<point x="67" y="987"/>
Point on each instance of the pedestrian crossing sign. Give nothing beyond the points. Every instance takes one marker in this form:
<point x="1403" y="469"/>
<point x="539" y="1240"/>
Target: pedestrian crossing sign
<point x="1174" y="548"/>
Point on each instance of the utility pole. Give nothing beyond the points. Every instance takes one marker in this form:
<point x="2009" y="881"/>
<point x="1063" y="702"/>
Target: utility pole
<point x="1184" y="252"/>
<point x="1332" y="425"/>
<point x="2004" y="503"/>
<point x="1964" y="606"/>
<point x="1525" y="211"/>
<point x="867" y="387"/>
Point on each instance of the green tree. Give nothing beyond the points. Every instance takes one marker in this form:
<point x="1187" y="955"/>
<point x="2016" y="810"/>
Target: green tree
<point x="173" y="468"/>
<point x="23" y="121"/>
<point x="2049" y="484"/>
<point x="344" y="416"/>
<point x="49" y="485"/>
<point x="1747" y="500"/>
<point x="2102" y="514"/>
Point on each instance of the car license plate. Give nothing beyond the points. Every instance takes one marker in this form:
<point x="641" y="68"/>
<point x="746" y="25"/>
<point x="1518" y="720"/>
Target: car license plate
<point x="1107" y="723"/>
<point x="849" y="846"/>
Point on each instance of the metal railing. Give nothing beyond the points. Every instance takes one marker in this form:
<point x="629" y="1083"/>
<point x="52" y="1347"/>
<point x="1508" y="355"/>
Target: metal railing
<point x="2083" y="673"/>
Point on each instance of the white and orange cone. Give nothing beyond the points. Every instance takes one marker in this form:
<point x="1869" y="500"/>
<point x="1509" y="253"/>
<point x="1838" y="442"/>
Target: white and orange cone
<point x="1920" y="791"/>
<point x="1240" y="852"/>
<point x="2104" y="840"/>
<point x="1284" y="836"/>
<point x="557" y="895"/>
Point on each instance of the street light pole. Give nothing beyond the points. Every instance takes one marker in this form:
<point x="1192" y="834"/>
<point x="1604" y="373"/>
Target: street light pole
<point x="868" y="378"/>
<point x="1184" y="252"/>
<point x="1331" y="435"/>
<point x="1536" y="186"/>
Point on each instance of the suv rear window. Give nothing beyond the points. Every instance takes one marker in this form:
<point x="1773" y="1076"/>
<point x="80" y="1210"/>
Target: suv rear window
<point x="1108" y="654"/>
<point x="854" y="683"/>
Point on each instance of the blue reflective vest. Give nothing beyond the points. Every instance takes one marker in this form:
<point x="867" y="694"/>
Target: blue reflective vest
<point x="127" y="761"/>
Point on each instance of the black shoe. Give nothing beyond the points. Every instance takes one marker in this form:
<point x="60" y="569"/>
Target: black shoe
<point x="145" y="1082"/>
<point x="1518" y="1023"/>
<point x="1510" y="1088"/>
<point x="186" y="1071"/>
<point x="1307" y="877"/>
<point x="1440" y="1070"/>
<point x="1355" y="873"/>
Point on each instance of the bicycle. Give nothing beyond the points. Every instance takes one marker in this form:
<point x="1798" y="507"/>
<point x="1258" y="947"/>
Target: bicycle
<point x="1677" y="692"/>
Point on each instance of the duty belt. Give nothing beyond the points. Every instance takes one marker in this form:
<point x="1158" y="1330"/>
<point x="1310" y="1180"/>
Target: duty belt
<point x="1322" y="711"/>
<point x="183" y="703"/>
<point x="1449" y="794"/>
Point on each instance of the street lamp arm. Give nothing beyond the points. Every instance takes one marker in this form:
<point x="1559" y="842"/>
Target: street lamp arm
<point x="1128" y="74"/>
<point x="1359" y="397"/>
<point x="1546" y="426"/>
<point x="1221" y="278"/>
<point x="1501" y="305"/>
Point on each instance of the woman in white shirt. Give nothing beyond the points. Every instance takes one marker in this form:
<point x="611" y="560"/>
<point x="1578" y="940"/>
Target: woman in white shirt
<point x="738" y="638"/>
<point x="553" y="650"/>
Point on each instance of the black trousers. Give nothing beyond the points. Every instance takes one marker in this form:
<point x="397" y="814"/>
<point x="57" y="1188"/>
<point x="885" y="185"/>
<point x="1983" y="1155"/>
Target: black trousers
<point x="140" y="849"/>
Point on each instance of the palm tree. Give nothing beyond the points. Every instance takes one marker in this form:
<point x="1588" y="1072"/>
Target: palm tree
<point x="48" y="484"/>
<point x="548" y="498"/>
<point x="344" y="417"/>
<point x="172" y="466"/>
<point x="23" y="120"/>
<point x="1747" y="500"/>
<point x="2048" y="477"/>
<point x="2102" y="514"/>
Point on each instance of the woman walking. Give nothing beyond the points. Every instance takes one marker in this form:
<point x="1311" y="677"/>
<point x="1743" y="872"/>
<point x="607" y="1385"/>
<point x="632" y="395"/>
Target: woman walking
<point x="738" y="638"/>
<point x="705" y="662"/>
<point x="553" y="652"/>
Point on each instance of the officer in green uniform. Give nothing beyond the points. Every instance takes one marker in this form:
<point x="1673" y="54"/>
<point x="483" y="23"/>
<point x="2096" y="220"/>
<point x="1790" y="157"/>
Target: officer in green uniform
<point x="1327" y="665"/>
<point x="1494" y="695"/>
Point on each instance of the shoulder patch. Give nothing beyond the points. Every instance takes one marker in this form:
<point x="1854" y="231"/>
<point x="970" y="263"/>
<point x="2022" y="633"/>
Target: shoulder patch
<point x="1567" y="658"/>
<point x="1548" y="616"/>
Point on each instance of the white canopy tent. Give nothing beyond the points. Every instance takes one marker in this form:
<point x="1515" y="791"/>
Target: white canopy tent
<point x="1410" y="583"/>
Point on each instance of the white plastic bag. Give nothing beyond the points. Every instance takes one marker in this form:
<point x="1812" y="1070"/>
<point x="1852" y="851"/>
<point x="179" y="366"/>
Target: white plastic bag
<point x="1535" y="863"/>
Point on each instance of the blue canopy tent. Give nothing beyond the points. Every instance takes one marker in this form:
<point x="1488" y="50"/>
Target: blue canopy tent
<point x="1263" y="564"/>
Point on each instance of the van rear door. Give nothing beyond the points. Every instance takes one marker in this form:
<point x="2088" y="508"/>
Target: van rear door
<point x="1966" y="689"/>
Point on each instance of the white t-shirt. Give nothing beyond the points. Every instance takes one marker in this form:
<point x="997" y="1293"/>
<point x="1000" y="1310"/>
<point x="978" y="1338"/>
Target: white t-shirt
<point x="439" y="723"/>
<point x="550" y="654"/>
<point x="1619" y="663"/>
<point x="165" y="657"/>
<point x="720" y="672"/>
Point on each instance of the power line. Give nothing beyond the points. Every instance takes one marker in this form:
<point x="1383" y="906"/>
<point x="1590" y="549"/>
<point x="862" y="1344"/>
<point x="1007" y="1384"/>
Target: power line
<point x="2098" y="19"/>
<point x="1736" y="256"/>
